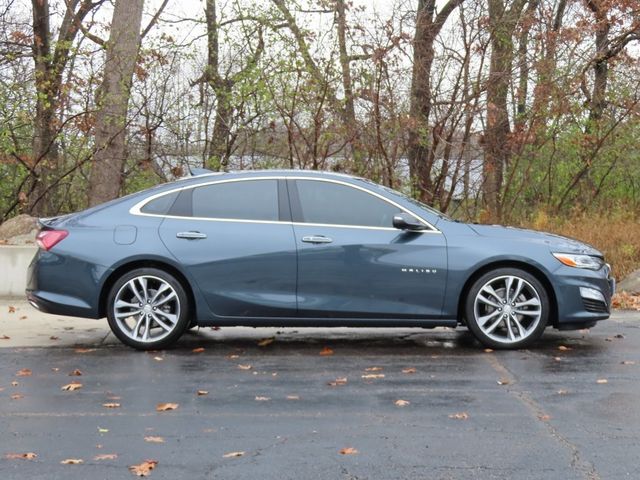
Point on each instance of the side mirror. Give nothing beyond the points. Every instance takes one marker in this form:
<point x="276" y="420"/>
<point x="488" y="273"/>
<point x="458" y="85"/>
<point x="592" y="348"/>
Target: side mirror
<point x="405" y="221"/>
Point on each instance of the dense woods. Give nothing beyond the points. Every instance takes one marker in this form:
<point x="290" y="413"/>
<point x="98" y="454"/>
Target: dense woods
<point x="488" y="110"/>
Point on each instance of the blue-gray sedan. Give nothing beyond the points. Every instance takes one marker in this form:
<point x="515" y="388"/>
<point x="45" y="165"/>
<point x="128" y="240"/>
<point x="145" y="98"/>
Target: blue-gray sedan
<point x="301" y="248"/>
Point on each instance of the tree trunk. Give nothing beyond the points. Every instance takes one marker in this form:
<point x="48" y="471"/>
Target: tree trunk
<point x="497" y="131"/>
<point x="122" y="48"/>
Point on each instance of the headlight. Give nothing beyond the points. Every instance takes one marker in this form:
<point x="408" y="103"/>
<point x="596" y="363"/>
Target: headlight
<point x="580" y="261"/>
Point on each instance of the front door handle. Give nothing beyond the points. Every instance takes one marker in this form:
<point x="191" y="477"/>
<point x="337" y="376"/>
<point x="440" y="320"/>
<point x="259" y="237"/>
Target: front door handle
<point x="316" y="239"/>
<point x="191" y="235"/>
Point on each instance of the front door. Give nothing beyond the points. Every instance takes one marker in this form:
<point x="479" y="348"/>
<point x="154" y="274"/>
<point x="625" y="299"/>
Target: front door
<point x="352" y="262"/>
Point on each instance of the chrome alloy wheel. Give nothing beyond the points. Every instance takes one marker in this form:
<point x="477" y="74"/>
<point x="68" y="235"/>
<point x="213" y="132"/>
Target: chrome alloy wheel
<point x="146" y="309"/>
<point x="507" y="309"/>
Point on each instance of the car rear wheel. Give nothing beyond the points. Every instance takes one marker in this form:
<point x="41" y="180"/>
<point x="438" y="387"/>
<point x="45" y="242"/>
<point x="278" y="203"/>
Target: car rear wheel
<point x="507" y="308"/>
<point x="148" y="309"/>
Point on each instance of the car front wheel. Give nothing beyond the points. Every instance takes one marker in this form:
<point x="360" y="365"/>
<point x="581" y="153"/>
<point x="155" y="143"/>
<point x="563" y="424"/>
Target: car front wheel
<point x="148" y="309"/>
<point x="507" y="308"/>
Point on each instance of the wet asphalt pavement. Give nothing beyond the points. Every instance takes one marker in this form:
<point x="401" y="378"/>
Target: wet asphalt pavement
<point x="569" y="409"/>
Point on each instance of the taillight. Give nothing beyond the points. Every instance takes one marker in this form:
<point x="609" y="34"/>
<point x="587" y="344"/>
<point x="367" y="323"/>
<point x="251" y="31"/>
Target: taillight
<point x="46" y="239"/>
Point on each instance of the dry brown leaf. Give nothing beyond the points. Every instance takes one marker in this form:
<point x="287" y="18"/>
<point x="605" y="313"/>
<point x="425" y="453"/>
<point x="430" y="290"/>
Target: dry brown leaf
<point x="111" y="405"/>
<point x="164" y="407"/>
<point x="14" y="384"/>
<point x="459" y="416"/>
<point x="266" y="341"/>
<point x="23" y="317"/>
<point x="70" y="387"/>
<point x="562" y="392"/>
<point x="244" y="367"/>
<point x="75" y="373"/>
<point x="564" y="348"/>
<point x="401" y="403"/>
<point x="503" y="381"/>
<point x="338" y="381"/>
<point x="144" y="468"/>
<point x="198" y="350"/>
<point x="409" y="370"/>
<point x="5" y="337"/>
<point x="233" y="454"/>
<point x="17" y="396"/>
<point x="627" y="362"/>
<point x="25" y="372"/>
<point x="202" y="393"/>
<point x="72" y="461"/>
<point x="84" y="350"/>
<point x="55" y="369"/>
<point x="373" y="369"/>
<point x="326" y="351"/>
<point x="233" y="356"/>
<point x="263" y="399"/>
<point x="370" y="376"/>
<point x="106" y="456"/>
<point x="152" y="439"/>
<point x="158" y="359"/>
<point x="53" y="337"/>
<point x="348" y="451"/>
<point x="557" y="359"/>
<point x="21" y="456"/>
<point x="488" y="350"/>
<point x="12" y="309"/>
<point x="293" y="397"/>
<point x="602" y="381"/>
<point x="544" y="417"/>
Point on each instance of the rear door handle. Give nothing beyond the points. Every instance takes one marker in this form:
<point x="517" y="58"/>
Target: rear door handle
<point x="316" y="239"/>
<point x="191" y="235"/>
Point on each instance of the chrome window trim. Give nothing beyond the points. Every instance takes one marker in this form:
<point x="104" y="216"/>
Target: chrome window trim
<point x="136" y="209"/>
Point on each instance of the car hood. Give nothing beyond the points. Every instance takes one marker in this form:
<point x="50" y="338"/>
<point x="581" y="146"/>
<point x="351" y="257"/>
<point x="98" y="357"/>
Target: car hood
<point x="557" y="243"/>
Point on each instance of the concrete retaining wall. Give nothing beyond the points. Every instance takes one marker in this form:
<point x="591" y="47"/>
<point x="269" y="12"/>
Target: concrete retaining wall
<point x="14" y="261"/>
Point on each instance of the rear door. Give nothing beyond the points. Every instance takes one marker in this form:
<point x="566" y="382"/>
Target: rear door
<point x="236" y="240"/>
<point x="353" y="263"/>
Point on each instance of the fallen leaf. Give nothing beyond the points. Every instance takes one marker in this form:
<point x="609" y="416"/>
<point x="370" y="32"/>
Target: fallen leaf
<point x="163" y="407"/>
<point x="562" y="392"/>
<point x="627" y="362"/>
<point x="233" y="356"/>
<point x="152" y="439"/>
<point x="72" y="461"/>
<point x="158" y="359"/>
<point x="144" y="468"/>
<point x="263" y="399"/>
<point x="563" y="348"/>
<point x="370" y="376"/>
<point x="111" y="405"/>
<point x="201" y="393"/>
<point x="233" y="454"/>
<point x="293" y="397"/>
<point x="401" y="403"/>
<point x="348" y="451"/>
<point x="25" y="372"/>
<point x="5" y="337"/>
<point x="53" y="337"/>
<point x="488" y="350"/>
<point x="75" y="373"/>
<point x="409" y="370"/>
<point x="326" y="351"/>
<point x="544" y="417"/>
<point x="459" y="416"/>
<point x="373" y="369"/>
<point x="14" y="384"/>
<point x="602" y="381"/>
<point x="55" y="369"/>
<point x="21" y="456"/>
<point x="265" y="342"/>
<point x="17" y="396"/>
<point x="619" y="335"/>
<point x="12" y="309"/>
<point x="106" y="456"/>
<point x="198" y="350"/>
<point x="503" y="381"/>
<point x="84" y="350"/>
<point x="70" y="387"/>
<point x="557" y="359"/>
<point x="244" y="367"/>
<point x="338" y="381"/>
<point x="103" y="430"/>
<point x="23" y="317"/>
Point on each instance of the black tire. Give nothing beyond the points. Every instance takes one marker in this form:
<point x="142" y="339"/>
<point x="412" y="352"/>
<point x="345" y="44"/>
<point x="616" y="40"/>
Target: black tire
<point x="517" y="322"/>
<point x="148" y="319"/>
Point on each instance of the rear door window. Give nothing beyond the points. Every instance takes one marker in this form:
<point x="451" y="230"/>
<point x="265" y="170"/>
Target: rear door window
<point x="241" y="200"/>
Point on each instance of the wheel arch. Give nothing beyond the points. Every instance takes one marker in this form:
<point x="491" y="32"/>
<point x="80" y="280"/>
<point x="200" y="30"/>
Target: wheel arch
<point x="527" y="267"/>
<point x="144" y="263"/>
